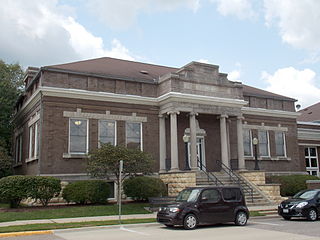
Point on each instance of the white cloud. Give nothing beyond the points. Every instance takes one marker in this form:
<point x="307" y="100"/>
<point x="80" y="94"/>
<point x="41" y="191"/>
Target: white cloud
<point x="121" y="14"/>
<point x="43" y="32"/>
<point x="204" y="61"/>
<point x="235" y="74"/>
<point x="242" y="9"/>
<point x="291" y="82"/>
<point x="297" y="20"/>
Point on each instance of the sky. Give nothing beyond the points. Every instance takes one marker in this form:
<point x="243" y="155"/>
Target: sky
<point x="269" y="44"/>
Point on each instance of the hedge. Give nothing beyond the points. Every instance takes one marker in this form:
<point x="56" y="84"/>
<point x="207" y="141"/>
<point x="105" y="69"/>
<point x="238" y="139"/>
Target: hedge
<point x="291" y="184"/>
<point x="87" y="191"/>
<point x="14" y="189"/>
<point x="142" y="187"/>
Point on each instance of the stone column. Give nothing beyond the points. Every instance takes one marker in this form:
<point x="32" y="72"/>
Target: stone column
<point x="241" y="162"/>
<point x="193" y="141"/>
<point x="174" y="142"/>
<point x="162" y="143"/>
<point x="224" y="142"/>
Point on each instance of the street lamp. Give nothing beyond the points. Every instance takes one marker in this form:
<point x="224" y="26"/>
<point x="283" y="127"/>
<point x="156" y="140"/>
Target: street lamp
<point x="185" y="139"/>
<point x="255" y="142"/>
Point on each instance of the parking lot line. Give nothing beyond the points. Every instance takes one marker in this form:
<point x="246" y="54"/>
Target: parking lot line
<point x="265" y="223"/>
<point x="133" y="231"/>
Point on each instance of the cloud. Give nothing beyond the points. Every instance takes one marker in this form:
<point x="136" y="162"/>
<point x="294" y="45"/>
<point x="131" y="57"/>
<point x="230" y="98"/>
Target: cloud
<point x="291" y="82"/>
<point x="242" y="9"/>
<point x="121" y="14"/>
<point x="297" y="20"/>
<point x="44" y="32"/>
<point x="235" y="74"/>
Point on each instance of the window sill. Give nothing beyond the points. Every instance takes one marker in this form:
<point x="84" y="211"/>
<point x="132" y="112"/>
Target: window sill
<point x="31" y="159"/>
<point x="17" y="164"/>
<point x="74" y="155"/>
<point x="268" y="158"/>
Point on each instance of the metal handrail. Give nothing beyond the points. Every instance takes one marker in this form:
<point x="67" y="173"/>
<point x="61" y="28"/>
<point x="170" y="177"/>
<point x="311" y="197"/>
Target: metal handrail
<point x="236" y="179"/>
<point x="211" y="177"/>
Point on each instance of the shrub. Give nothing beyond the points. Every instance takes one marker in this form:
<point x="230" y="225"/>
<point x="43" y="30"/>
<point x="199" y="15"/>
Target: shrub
<point x="88" y="191"/>
<point x="13" y="189"/>
<point x="44" y="188"/>
<point x="141" y="188"/>
<point x="291" y="184"/>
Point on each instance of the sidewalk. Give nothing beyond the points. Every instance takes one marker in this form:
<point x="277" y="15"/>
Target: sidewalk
<point x="113" y="217"/>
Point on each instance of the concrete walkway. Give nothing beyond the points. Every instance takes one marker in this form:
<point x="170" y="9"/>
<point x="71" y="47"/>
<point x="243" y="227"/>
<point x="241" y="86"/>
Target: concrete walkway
<point x="113" y="217"/>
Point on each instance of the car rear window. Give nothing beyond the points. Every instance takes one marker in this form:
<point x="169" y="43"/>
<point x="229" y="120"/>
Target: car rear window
<point x="231" y="194"/>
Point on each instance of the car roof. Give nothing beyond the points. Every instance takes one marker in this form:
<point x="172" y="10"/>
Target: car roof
<point x="213" y="187"/>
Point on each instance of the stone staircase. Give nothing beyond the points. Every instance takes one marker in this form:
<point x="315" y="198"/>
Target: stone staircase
<point x="256" y="198"/>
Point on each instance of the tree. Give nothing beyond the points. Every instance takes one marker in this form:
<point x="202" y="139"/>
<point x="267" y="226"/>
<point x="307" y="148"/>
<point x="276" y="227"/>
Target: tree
<point x="5" y="163"/>
<point x="11" y="85"/>
<point x="104" y="162"/>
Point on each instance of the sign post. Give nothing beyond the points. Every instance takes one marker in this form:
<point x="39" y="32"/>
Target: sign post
<point x="119" y="188"/>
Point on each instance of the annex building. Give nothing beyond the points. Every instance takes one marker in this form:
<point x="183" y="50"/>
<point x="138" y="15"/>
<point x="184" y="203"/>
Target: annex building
<point x="190" y="119"/>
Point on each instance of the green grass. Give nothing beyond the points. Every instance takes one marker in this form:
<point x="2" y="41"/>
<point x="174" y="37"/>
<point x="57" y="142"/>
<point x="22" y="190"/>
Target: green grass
<point x="52" y="226"/>
<point x="256" y="214"/>
<point x="4" y="205"/>
<point x="74" y="211"/>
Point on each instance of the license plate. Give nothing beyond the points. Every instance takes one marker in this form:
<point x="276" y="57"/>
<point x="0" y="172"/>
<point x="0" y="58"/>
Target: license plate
<point x="285" y="210"/>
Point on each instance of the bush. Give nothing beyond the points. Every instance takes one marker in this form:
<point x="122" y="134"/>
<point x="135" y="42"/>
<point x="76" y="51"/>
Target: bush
<point x="88" y="191"/>
<point x="141" y="188"/>
<point x="291" y="184"/>
<point x="44" y="188"/>
<point x="15" y="188"/>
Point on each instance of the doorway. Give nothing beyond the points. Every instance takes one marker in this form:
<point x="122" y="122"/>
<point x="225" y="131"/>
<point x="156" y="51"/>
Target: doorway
<point x="201" y="161"/>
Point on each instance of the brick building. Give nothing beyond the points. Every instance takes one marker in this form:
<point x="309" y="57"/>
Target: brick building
<point x="188" y="118"/>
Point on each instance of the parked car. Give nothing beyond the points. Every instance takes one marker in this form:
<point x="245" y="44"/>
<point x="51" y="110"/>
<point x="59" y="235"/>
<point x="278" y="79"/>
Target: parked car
<point x="304" y="204"/>
<point x="205" y="205"/>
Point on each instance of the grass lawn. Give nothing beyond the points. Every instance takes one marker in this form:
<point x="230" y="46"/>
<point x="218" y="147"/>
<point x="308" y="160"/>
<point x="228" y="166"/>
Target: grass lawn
<point x="52" y="226"/>
<point x="71" y="211"/>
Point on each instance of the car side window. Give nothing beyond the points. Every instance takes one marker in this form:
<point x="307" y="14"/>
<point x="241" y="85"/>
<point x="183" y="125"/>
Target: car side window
<point x="211" y="195"/>
<point x="231" y="194"/>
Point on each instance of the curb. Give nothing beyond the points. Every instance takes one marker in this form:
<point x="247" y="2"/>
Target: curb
<point x="18" y="234"/>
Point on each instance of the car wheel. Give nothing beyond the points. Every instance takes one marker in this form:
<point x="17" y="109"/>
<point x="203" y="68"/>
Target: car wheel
<point x="286" y="218"/>
<point x="312" y="214"/>
<point x="241" y="219"/>
<point x="190" y="222"/>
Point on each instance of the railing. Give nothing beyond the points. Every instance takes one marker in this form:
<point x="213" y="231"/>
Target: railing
<point x="236" y="179"/>
<point x="211" y="177"/>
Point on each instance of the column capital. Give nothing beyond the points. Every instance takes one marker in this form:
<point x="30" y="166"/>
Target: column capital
<point x="173" y="112"/>
<point x="193" y="113"/>
<point x="240" y="118"/>
<point x="162" y="115"/>
<point x="223" y="116"/>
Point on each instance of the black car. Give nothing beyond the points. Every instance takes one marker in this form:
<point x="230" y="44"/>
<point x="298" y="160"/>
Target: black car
<point x="304" y="204"/>
<point x="205" y="205"/>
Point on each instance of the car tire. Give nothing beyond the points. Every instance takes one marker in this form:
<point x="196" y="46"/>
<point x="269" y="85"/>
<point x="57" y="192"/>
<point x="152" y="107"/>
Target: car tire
<point x="286" y="217"/>
<point x="169" y="225"/>
<point x="312" y="214"/>
<point x="241" y="218"/>
<point x="190" y="221"/>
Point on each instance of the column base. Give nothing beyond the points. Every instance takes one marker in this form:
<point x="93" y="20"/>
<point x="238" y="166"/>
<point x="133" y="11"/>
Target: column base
<point x="195" y="169"/>
<point x="174" y="170"/>
<point x="162" y="171"/>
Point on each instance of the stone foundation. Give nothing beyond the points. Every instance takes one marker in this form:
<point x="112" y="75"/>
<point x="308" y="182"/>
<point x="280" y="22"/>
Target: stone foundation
<point x="178" y="181"/>
<point x="255" y="177"/>
<point x="313" y="184"/>
<point x="272" y="191"/>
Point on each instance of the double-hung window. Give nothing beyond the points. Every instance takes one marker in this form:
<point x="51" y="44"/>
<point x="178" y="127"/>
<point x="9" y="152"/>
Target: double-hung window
<point x="280" y="144"/>
<point x="18" y="146"/>
<point x="78" y="136"/>
<point x="107" y="132"/>
<point x="263" y="137"/>
<point x="247" y="143"/>
<point x="31" y="142"/>
<point x="134" y="135"/>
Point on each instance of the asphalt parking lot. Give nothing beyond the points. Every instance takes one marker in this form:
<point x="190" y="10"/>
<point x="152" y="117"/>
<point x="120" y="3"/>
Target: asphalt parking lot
<point x="261" y="229"/>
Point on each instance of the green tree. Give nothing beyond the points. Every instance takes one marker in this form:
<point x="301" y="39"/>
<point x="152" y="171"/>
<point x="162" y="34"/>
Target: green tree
<point x="104" y="162"/>
<point x="5" y="163"/>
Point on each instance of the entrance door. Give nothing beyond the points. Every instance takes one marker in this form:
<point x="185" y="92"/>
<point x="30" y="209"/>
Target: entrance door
<point x="200" y="153"/>
<point x="311" y="158"/>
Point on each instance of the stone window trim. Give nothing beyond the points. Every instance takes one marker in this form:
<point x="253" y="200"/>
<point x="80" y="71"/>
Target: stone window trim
<point x="34" y="158"/>
<point x="106" y="116"/>
<point x="278" y="158"/>
<point x="263" y="127"/>
<point x="268" y="144"/>
<point x="74" y="154"/>
<point x="284" y="145"/>
<point x="115" y="131"/>
<point x="34" y="119"/>
<point x="141" y="134"/>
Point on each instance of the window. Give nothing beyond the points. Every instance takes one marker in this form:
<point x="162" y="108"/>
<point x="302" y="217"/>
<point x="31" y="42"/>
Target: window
<point x="263" y="143"/>
<point x="231" y="194"/>
<point x="311" y="158"/>
<point x="134" y="135"/>
<point x="36" y="139"/>
<point x="107" y="132"/>
<point x="78" y="136"/>
<point x="247" y="144"/>
<point x="31" y="149"/>
<point x="280" y="144"/>
<point x="18" y="146"/>
<point x="211" y="195"/>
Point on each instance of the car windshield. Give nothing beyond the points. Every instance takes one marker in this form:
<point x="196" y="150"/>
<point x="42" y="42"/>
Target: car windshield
<point x="305" y="194"/>
<point x="188" y="195"/>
